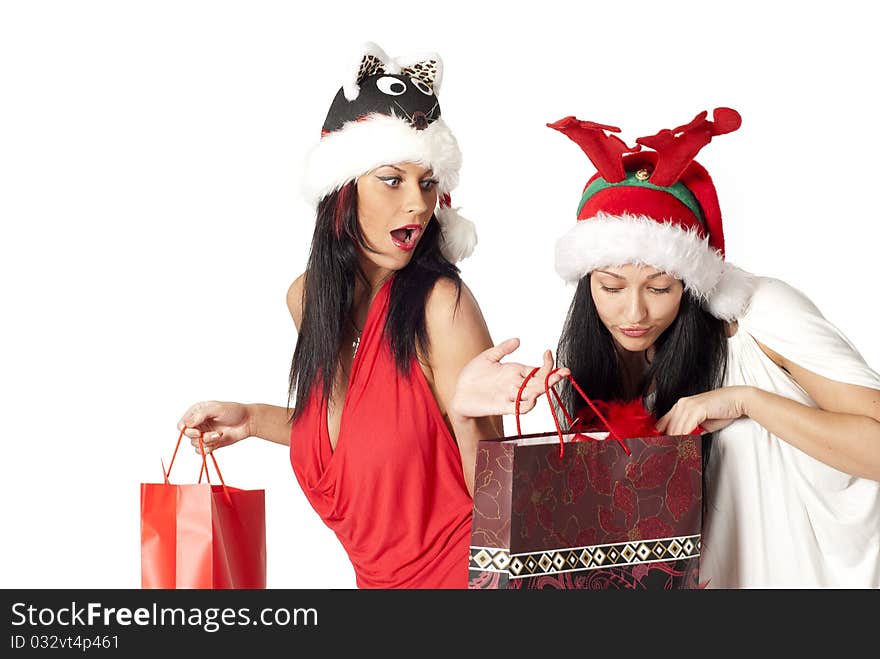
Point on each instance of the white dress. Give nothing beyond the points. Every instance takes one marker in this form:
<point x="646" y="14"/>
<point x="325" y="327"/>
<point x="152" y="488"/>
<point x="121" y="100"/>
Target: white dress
<point x="777" y="517"/>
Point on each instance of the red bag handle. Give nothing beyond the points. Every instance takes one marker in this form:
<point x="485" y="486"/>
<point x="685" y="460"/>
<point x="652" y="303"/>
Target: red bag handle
<point x="548" y="391"/>
<point x="203" y="470"/>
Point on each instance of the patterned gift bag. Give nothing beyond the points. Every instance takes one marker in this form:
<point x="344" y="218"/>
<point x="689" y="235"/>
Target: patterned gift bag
<point x="586" y="510"/>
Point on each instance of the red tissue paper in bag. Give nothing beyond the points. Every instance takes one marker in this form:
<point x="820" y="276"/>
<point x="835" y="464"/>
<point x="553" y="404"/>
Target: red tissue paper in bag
<point x="629" y="419"/>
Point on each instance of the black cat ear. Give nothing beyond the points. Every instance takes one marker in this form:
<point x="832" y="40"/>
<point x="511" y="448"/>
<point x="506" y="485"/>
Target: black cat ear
<point x="370" y="60"/>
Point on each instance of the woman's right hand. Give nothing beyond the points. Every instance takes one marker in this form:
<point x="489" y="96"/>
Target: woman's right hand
<point x="219" y="424"/>
<point x="486" y="387"/>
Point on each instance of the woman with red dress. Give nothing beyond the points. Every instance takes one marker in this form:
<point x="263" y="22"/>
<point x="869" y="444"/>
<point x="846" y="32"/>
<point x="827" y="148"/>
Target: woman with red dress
<point x="379" y="442"/>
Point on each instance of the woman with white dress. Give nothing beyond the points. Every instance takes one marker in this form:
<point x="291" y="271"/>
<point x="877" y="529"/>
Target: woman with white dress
<point x="792" y="458"/>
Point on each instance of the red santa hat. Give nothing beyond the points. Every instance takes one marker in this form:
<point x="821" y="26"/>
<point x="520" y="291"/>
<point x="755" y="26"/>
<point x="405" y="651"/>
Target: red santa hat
<point x="656" y="208"/>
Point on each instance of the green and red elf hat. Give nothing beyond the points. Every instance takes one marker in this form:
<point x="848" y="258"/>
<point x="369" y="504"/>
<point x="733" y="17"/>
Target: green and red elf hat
<point x="387" y="112"/>
<point x="656" y="208"/>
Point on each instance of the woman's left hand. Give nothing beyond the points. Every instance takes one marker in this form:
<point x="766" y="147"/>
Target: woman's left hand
<point x="712" y="410"/>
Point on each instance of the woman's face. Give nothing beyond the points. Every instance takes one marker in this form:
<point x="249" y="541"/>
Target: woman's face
<point x="636" y="303"/>
<point x="395" y="204"/>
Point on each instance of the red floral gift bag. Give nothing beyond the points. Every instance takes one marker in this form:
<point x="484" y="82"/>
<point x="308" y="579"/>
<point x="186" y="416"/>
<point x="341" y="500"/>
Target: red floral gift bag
<point x="588" y="510"/>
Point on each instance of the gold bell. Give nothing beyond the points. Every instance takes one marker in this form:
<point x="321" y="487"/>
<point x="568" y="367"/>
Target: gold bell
<point x="643" y="174"/>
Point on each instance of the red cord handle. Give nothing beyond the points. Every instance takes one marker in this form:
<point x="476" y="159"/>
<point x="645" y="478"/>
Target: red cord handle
<point x="548" y="391"/>
<point x="204" y="470"/>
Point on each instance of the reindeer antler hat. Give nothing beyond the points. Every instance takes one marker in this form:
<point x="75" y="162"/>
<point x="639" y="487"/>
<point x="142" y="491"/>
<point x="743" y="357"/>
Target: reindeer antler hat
<point x="656" y="208"/>
<point x="387" y="112"/>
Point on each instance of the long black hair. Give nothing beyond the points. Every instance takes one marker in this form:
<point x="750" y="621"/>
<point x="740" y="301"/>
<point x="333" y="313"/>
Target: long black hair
<point x="328" y="295"/>
<point x="690" y="358"/>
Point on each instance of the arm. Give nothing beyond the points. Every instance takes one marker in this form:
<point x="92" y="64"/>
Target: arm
<point x="295" y="300"/>
<point x="843" y="432"/>
<point x="471" y="385"/>
<point x="271" y="422"/>
<point x="457" y="332"/>
<point x="220" y="424"/>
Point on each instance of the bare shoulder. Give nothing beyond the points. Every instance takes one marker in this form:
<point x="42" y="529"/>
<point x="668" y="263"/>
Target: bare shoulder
<point x="454" y="322"/>
<point x="295" y="299"/>
<point x="457" y="332"/>
<point x="450" y="304"/>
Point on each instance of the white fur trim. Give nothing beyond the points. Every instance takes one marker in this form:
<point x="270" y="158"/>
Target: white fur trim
<point x="459" y="234"/>
<point x="360" y="146"/>
<point x="608" y="241"/>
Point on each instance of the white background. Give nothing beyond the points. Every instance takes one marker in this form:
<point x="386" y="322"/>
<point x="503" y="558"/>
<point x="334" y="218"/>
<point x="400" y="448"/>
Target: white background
<point x="150" y="157"/>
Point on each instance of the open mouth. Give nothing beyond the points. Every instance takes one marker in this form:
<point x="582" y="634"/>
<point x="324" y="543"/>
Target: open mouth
<point x="405" y="237"/>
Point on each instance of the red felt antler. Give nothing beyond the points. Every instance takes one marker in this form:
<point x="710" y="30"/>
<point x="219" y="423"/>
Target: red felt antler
<point x="677" y="148"/>
<point x="604" y="151"/>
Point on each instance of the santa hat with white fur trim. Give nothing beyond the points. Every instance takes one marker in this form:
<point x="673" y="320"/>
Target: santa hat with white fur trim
<point x="656" y="208"/>
<point x="387" y="112"/>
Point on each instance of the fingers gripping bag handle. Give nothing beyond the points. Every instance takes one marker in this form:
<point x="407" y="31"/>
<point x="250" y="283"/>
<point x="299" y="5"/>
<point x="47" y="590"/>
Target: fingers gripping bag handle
<point x="203" y="471"/>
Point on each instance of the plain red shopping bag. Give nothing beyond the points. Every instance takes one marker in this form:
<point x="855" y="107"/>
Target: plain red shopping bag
<point x="202" y="535"/>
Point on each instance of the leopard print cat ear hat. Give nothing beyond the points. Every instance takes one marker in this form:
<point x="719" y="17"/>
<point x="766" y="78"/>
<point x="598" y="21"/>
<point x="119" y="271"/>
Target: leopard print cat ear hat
<point x="387" y="112"/>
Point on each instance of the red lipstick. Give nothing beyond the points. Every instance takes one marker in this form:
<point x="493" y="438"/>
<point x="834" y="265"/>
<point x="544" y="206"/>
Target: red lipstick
<point x="406" y="237"/>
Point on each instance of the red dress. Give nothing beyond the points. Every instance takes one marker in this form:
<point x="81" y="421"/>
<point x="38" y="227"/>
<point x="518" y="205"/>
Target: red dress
<point x="393" y="491"/>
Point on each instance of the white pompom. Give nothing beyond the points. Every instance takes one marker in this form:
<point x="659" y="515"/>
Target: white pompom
<point x="730" y="298"/>
<point x="459" y="235"/>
